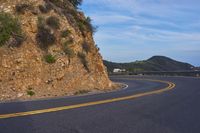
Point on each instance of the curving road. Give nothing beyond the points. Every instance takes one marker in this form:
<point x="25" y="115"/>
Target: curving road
<point x="146" y="106"/>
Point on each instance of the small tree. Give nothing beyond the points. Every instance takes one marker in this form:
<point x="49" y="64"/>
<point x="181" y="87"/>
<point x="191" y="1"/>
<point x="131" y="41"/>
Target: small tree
<point x="76" y="3"/>
<point x="91" y="27"/>
<point x="53" y="22"/>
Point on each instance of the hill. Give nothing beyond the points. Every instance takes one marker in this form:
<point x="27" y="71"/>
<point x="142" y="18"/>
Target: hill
<point x="155" y="63"/>
<point x="47" y="49"/>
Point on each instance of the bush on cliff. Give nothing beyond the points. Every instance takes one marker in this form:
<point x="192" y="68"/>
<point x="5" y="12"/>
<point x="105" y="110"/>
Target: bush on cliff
<point x="44" y="36"/>
<point x="9" y="28"/>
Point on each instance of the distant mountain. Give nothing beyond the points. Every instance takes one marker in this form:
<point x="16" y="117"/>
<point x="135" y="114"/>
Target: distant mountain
<point x="196" y="68"/>
<point x="155" y="63"/>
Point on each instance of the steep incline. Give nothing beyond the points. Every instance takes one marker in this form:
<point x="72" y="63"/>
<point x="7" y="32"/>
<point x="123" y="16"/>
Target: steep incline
<point x="47" y="49"/>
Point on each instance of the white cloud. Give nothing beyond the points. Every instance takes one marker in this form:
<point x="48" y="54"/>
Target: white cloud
<point x="109" y="18"/>
<point x="155" y="26"/>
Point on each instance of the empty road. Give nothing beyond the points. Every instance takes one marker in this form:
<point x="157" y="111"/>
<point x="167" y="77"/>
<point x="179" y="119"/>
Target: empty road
<point x="147" y="105"/>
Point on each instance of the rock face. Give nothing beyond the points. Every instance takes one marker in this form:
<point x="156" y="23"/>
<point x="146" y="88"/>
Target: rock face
<point x="38" y="69"/>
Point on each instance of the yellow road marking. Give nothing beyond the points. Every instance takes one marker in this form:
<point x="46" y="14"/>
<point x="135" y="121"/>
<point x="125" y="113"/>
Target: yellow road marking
<point x="169" y="87"/>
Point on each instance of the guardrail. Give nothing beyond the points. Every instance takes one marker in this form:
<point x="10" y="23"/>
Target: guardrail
<point x="163" y="73"/>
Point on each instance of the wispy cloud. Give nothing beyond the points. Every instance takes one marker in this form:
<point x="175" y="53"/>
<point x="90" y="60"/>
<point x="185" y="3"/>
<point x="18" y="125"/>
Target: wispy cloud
<point x="146" y="27"/>
<point x="109" y="18"/>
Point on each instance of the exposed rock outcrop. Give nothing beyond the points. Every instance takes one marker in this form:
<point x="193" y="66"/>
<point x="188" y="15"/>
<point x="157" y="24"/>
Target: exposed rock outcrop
<point x="55" y="58"/>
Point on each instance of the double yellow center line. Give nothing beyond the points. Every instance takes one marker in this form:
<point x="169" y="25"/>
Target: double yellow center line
<point x="35" y="112"/>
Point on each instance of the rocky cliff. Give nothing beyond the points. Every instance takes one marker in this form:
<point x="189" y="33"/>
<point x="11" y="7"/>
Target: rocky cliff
<point x="46" y="50"/>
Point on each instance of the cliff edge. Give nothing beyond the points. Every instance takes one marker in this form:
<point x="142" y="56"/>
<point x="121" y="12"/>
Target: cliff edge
<point x="46" y="50"/>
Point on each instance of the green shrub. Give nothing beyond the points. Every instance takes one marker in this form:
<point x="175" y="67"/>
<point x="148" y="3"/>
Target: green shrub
<point x="50" y="59"/>
<point x="42" y="9"/>
<point x="91" y="28"/>
<point x="65" y="33"/>
<point x="81" y="25"/>
<point x="86" y="25"/>
<point x="64" y="3"/>
<point x="69" y="52"/>
<point x="53" y="22"/>
<point x="41" y="22"/>
<point x="9" y="27"/>
<point x="45" y="8"/>
<point x="73" y="13"/>
<point x="30" y="92"/>
<point x="18" y="40"/>
<point x="86" y="47"/>
<point x="81" y="92"/>
<point x="22" y="8"/>
<point x="76" y="3"/>
<point x="84" y="61"/>
<point x="44" y="36"/>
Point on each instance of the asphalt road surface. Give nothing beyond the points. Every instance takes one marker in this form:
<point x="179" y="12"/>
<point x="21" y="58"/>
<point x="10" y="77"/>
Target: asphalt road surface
<point x="174" y="109"/>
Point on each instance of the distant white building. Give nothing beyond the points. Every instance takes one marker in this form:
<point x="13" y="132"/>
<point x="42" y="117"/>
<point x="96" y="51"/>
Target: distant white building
<point x="117" y="70"/>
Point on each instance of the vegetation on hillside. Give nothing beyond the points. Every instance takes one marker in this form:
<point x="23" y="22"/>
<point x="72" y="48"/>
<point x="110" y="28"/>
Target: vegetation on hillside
<point x="53" y="22"/>
<point x="86" y="47"/>
<point x="49" y="27"/>
<point x="50" y="58"/>
<point x="30" y="92"/>
<point x="69" y="52"/>
<point x="10" y="27"/>
<point x="65" y="33"/>
<point x="58" y="51"/>
<point x="156" y="63"/>
<point x="45" y="8"/>
<point x="44" y="36"/>
<point x="84" y="61"/>
<point x="21" y="8"/>
<point x="76" y="3"/>
<point x="65" y="3"/>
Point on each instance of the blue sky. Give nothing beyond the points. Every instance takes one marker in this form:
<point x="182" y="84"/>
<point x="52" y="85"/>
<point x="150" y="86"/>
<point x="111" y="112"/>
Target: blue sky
<point x="132" y="30"/>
